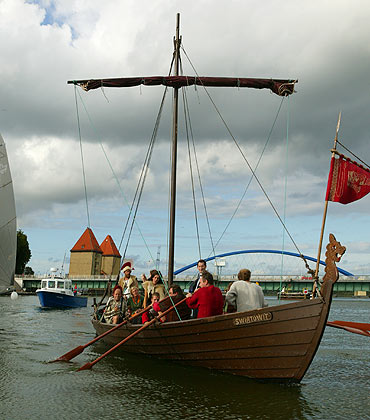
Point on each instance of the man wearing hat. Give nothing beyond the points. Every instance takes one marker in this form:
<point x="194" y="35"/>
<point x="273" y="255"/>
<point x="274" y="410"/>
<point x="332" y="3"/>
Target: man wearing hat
<point x="127" y="281"/>
<point x="245" y="295"/>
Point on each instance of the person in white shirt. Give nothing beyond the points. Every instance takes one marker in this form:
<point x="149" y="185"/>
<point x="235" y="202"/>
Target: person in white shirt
<point x="127" y="282"/>
<point x="245" y="295"/>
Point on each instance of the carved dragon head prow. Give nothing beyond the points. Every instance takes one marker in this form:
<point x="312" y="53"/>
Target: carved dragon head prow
<point x="334" y="249"/>
<point x="334" y="253"/>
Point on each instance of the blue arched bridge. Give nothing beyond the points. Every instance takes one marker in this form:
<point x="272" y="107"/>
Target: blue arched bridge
<point x="348" y="284"/>
<point x="259" y="251"/>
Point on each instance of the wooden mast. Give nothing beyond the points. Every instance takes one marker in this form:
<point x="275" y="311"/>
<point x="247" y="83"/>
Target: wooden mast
<point x="324" y="216"/>
<point x="171" y="250"/>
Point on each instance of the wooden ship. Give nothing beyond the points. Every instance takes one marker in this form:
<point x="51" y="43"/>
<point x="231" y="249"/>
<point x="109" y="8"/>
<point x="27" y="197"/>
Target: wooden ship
<point x="275" y="343"/>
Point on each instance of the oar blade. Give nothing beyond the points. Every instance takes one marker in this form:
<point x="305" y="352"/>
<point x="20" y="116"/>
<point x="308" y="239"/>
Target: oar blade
<point x="357" y="331"/>
<point x="86" y="366"/>
<point x="353" y="327"/>
<point x="359" y="325"/>
<point x="70" y="355"/>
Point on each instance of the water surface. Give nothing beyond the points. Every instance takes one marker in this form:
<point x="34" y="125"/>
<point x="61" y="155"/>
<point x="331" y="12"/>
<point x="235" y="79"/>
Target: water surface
<point x="124" y="386"/>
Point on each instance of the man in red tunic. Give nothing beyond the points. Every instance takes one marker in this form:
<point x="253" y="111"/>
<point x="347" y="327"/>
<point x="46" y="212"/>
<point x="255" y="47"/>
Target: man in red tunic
<point x="208" y="299"/>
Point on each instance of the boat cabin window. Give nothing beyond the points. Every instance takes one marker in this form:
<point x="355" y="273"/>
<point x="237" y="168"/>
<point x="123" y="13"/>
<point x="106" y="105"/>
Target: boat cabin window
<point x="44" y="284"/>
<point x="69" y="285"/>
<point x="60" y="284"/>
<point x="51" y="284"/>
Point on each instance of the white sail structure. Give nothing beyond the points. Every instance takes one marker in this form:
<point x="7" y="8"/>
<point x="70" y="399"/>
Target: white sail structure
<point x="8" y="222"/>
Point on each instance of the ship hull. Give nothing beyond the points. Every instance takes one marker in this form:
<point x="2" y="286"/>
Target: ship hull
<point x="276" y="343"/>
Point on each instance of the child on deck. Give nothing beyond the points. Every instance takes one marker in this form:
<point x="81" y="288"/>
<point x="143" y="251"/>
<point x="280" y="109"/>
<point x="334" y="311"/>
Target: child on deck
<point x="154" y="311"/>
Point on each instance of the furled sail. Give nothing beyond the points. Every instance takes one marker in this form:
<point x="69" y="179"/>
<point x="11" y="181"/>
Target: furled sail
<point x="278" y="86"/>
<point x="8" y="225"/>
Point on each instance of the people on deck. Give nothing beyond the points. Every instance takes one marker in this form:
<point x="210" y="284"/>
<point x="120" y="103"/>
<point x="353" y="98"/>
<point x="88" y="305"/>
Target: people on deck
<point x="127" y="281"/>
<point x="134" y="304"/>
<point x="175" y="295"/>
<point x="194" y="285"/>
<point x="154" y="284"/>
<point x="228" y="308"/>
<point x="154" y="311"/>
<point x="116" y="307"/>
<point x="244" y="294"/>
<point x="208" y="299"/>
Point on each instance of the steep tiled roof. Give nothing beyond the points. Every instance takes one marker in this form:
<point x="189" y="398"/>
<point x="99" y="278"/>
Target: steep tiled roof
<point x="109" y="247"/>
<point x="87" y="242"/>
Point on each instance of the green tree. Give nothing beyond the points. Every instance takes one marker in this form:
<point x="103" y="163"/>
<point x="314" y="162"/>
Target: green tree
<point x="23" y="252"/>
<point x="28" y="271"/>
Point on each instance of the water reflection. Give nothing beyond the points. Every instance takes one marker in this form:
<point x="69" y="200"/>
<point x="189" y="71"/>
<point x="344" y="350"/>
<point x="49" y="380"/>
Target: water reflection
<point x="200" y="393"/>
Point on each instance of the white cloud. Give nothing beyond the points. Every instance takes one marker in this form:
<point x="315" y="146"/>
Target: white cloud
<point x="46" y="43"/>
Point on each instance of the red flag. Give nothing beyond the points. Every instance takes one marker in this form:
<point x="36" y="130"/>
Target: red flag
<point x="348" y="181"/>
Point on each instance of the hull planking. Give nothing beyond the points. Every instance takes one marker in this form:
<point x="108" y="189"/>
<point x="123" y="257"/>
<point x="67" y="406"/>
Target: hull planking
<point x="276" y="343"/>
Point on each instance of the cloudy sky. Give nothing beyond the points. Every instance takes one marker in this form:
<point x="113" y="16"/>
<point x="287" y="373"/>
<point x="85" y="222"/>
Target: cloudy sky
<point x="323" y="44"/>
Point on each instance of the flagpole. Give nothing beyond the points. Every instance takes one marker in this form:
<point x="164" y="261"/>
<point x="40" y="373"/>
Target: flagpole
<point x="324" y="215"/>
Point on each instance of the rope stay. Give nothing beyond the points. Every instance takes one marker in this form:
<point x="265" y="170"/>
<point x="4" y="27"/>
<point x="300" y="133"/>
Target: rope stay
<point x="82" y="158"/>
<point x="187" y="124"/>
<point x="247" y="162"/>
<point x="187" y="118"/>
<point x="189" y="128"/>
<point x="355" y="156"/>
<point x="285" y="193"/>
<point x="144" y="171"/>
<point x="251" y="177"/>
<point x="140" y="185"/>
<point x="111" y="167"/>
<point x="143" y="174"/>
<point x="203" y="197"/>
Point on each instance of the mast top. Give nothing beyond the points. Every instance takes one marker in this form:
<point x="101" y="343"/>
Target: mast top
<point x="281" y="87"/>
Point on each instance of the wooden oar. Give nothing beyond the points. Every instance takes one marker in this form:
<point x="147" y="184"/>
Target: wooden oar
<point x="353" y="327"/>
<point x="79" y="349"/>
<point x="89" y="365"/>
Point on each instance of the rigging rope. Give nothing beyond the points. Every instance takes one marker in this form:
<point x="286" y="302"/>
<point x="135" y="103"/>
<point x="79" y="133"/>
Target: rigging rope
<point x="141" y="179"/>
<point x="188" y="127"/>
<point x="251" y="178"/>
<point x="145" y="167"/>
<point x="364" y="163"/>
<point x="168" y="198"/>
<point x="111" y="167"/>
<point x="144" y="171"/>
<point x="187" y="116"/>
<point x="285" y="192"/>
<point x="82" y="158"/>
<point x="248" y="164"/>
<point x="168" y="216"/>
<point x="188" y="123"/>
<point x="203" y="198"/>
